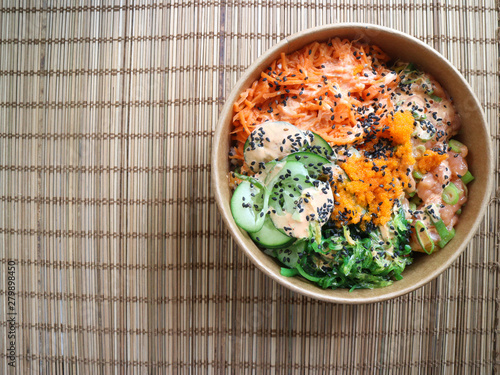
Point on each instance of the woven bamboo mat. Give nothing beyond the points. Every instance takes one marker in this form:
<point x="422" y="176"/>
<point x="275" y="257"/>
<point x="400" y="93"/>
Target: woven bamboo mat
<point x="113" y="255"/>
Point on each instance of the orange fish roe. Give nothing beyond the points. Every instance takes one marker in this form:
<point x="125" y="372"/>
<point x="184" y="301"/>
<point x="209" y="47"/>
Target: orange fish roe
<point x="376" y="184"/>
<point x="400" y="127"/>
<point x="347" y="210"/>
<point x="405" y="156"/>
<point x="430" y="160"/>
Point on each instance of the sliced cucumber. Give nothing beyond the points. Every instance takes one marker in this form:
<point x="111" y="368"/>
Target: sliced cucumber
<point x="250" y="200"/>
<point x="271" y="169"/>
<point x="286" y="195"/>
<point x="270" y="237"/>
<point x="249" y="205"/>
<point x="298" y="209"/>
<point x="319" y="146"/>
<point x="285" y="170"/>
<point x="272" y="140"/>
<point x="292" y="188"/>
<point x="314" y="163"/>
<point x="290" y="255"/>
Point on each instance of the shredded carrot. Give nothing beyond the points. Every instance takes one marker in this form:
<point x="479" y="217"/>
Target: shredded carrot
<point x="318" y="88"/>
<point x="283" y="61"/>
<point x="430" y="160"/>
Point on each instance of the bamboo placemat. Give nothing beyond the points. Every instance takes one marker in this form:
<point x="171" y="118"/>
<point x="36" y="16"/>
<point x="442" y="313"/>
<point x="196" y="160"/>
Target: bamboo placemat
<point x="114" y="257"/>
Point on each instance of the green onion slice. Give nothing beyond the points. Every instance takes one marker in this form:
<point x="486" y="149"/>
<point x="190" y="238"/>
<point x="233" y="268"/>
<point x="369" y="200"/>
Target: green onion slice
<point x="468" y="177"/>
<point x="425" y="134"/>
<point x="445" y="234"/>
<point x="451" y="194"/>
<point x="424" y="238"/>
<point x="442" y="243"/>
<point x="456" y="146"/>
<point x="288" y="272"/>
<point x="417" y="175"/>
<point x="441" y="228"/>
<point x="420" y="148"/>
<point x="419" y="116"/>
<point x="436" y="98"/>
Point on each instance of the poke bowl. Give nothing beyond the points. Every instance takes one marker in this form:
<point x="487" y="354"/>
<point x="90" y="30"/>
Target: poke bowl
<point x="352" y="163"/>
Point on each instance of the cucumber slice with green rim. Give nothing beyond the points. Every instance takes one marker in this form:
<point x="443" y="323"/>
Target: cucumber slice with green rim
<point x="289" y="256"/>
<point x="270" y="237"/>
<point x="315" y="164"/>
<point x="284" y="188"/>
<point x="271" y="252"/>
<point x="287" y="193"/>
<point x="285" y="170"/>
<point x="319" y="146"/>
<point x="271" y="169"/>
<point x="250" y="200"/>
<point x="300" y="204"/>
<point x="249" y="205"/>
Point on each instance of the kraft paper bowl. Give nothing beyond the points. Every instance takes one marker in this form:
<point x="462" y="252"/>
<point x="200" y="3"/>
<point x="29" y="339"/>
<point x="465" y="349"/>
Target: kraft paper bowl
<point x="474" y="133"/>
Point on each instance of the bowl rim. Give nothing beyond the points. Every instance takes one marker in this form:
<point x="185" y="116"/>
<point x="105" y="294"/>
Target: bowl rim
<point x="236" y="232"/>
